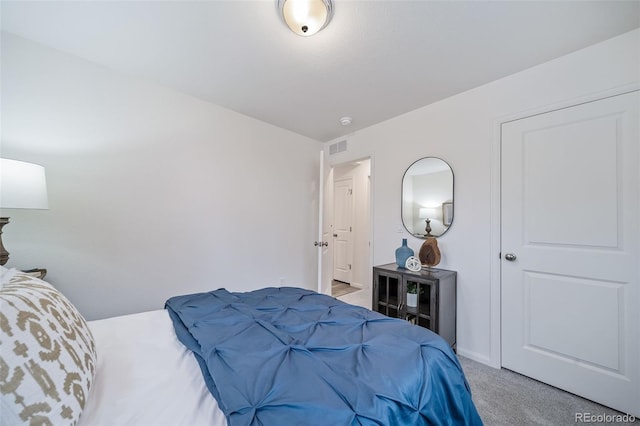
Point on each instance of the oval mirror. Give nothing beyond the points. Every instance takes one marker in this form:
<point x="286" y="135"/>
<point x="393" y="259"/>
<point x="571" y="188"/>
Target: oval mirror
<point x="427" y="197"/>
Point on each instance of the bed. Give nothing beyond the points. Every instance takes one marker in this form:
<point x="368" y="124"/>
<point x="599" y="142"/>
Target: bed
<point x="144" y="369"/>
<point x="147" y="376"/>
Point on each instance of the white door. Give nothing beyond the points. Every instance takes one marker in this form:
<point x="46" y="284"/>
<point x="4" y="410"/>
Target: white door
<point x="570" y="217"/>
<point x="342" y="229"/>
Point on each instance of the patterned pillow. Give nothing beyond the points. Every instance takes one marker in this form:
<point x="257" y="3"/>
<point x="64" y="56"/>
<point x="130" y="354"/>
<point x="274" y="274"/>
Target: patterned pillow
<point x="47" y="355"/>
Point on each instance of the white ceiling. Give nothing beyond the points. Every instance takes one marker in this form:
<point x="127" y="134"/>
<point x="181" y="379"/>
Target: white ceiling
<point x="375" y="60"/>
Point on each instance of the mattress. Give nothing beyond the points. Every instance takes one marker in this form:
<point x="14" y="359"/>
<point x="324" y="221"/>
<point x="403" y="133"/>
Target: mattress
<point x="145" y="376"/>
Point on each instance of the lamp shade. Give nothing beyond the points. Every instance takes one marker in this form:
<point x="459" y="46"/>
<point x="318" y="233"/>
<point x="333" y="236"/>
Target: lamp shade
<point x="306" y="17"/>
<point x="22" y="185"/>
<point x="428" y="212"/>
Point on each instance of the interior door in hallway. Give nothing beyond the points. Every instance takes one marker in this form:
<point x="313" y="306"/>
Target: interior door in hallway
<point x="342" y="230"/>
<point x="570" y="257"/>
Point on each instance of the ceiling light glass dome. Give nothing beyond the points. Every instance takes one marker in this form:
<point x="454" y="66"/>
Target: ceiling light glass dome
<point x="306" y="17"/>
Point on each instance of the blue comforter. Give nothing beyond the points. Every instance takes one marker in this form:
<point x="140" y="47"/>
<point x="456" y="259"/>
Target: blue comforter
<point x="288" y="356"/>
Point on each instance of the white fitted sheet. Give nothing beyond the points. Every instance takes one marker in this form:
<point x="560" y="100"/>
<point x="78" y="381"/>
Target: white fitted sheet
<point x="145" y="376"/>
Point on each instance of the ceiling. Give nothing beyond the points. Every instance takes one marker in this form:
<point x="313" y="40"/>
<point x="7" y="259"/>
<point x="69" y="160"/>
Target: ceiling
<point x="375" y="60"/>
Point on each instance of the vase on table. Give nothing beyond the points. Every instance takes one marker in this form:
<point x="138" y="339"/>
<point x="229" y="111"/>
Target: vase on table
<point x="403" y="253"/>
<point x="412" y="300"/>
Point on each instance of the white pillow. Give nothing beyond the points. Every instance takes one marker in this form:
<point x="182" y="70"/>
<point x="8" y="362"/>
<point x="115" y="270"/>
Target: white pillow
<point x="47" y="354"/>
<point x="3" y="272"/>
<point x="6" y="275"/>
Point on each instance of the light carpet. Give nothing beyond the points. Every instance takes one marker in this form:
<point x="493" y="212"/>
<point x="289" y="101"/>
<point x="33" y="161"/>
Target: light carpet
<point x="505" y="398"/>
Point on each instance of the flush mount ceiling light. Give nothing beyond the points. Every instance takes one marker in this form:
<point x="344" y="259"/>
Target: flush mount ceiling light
<point x="306" y="17"/>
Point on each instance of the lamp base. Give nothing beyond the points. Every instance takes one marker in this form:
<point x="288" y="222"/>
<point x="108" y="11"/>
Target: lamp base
<point x="427" y="228"/>
<point x="4" y="254"/>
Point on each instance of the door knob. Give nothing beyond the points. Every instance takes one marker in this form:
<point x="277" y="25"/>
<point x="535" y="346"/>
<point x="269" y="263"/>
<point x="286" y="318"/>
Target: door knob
<point x="510" y="257"/>
<point x="335" y="235"/>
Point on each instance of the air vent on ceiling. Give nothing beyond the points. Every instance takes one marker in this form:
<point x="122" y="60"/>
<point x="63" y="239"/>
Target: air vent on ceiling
<point x="337" y="147"/>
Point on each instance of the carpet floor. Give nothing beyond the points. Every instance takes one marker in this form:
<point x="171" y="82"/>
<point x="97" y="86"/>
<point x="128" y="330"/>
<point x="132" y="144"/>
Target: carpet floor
<point x="505" y="398"/>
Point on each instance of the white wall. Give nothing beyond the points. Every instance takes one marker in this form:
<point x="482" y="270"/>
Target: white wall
<point x="464" y="131"/>
<point x="152" y="193"/>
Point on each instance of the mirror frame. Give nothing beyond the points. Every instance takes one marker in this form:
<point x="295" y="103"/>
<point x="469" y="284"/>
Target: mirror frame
<point x="453" y="186"/>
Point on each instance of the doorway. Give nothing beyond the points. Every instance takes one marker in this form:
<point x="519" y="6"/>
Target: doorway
<point x="348" y="228"/>
<point x="570" y="243"/>
<point x="343" y="207"/>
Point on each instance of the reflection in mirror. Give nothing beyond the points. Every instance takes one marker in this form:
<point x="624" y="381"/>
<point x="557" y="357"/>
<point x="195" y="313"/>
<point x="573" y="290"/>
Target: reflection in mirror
<point x="427" y="197"/>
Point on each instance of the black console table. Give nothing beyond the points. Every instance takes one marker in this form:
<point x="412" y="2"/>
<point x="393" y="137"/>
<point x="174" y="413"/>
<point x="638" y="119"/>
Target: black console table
<point x="436" y="301"/>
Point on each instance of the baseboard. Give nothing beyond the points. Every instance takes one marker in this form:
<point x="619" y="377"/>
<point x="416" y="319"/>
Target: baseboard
<point x="474" y="356"/>
<point x="356" y="285"/>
